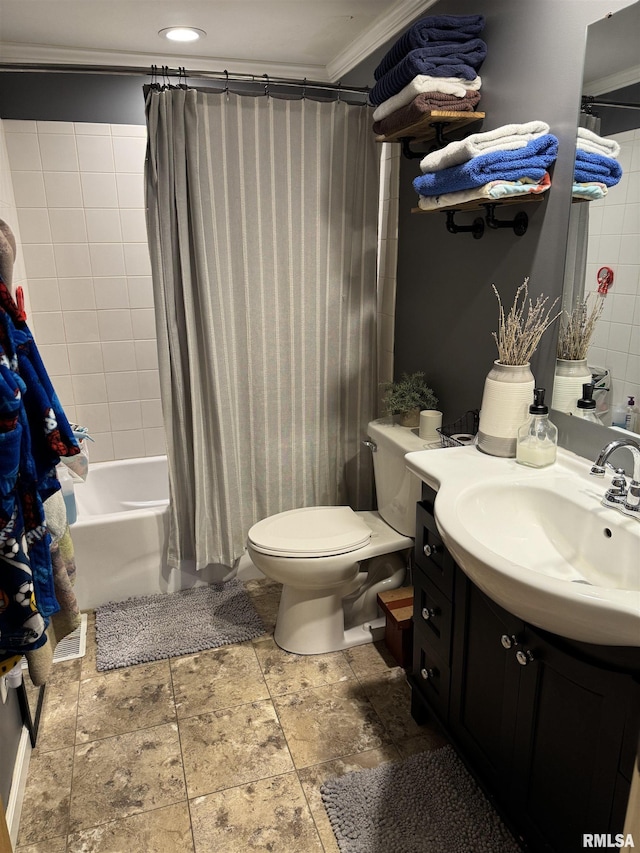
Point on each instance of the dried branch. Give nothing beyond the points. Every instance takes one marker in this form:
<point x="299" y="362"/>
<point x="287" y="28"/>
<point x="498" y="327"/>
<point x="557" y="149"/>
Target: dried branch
<point x="519" y="333"/>
<point x="577" y="327"/>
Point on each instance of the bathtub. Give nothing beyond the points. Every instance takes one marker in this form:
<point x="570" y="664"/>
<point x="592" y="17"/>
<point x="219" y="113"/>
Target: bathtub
<point x="120" y="537"/>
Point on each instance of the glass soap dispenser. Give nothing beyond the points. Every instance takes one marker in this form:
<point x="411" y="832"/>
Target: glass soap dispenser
<point x="537" y="443"/>
<point x="586" y="405"/>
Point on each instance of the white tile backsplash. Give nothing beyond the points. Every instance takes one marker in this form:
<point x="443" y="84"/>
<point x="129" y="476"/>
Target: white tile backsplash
<point x="63" y="189"/>
<point x="58" y="152"/>
<point x="103" y="225"/>
<point x="68" y="225"/>
<point x="614" y="241"/>
<point x="95" y="153"/>
<point x="107" y="259"/>
<point x="99" y="189"/>
<point x="79" y="195"/>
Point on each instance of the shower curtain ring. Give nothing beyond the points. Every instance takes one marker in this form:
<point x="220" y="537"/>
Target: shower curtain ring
<point x="304" y="88"/>
<point x="226" y="87"/>
<point x="266" y="85"/>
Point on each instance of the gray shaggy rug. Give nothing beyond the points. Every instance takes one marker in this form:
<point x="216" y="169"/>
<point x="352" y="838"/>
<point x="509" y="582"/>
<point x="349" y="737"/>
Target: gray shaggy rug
<point x="426" y="804"/>
<point x="155" y="627"/>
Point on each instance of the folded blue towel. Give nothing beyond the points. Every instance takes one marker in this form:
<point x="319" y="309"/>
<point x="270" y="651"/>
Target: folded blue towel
<point x="434" y="28"/>
<point x="441" y="60"/>
<point x="596" y="167"/>
<point x="530" y="162"/>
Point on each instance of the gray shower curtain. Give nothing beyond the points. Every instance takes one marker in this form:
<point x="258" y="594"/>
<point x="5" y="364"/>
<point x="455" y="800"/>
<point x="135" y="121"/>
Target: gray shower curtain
<point x="261" y="217"/>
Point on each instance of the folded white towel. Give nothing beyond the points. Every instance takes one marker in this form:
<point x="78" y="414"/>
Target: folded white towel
<point x="590" y="141"/>
<point x="424" y="83"/>
<point x="505" y="138"/>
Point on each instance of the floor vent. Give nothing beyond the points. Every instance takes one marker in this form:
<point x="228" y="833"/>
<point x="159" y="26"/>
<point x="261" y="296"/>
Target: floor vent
<point x="71" y="647"/>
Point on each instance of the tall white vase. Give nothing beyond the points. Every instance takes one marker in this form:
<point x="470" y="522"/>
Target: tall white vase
<point x="508" y="393"/>
<point x="569" y="378"/>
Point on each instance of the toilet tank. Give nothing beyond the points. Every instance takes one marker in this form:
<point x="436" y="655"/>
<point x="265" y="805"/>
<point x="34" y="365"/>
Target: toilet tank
<point x="397" y="489"/>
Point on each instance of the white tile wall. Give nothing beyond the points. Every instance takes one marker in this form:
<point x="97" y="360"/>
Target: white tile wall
<point x="614" y="241"/>
<point x="73" y="194"/>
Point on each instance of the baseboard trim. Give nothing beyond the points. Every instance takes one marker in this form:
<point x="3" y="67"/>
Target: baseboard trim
<point x="18" y="784"/>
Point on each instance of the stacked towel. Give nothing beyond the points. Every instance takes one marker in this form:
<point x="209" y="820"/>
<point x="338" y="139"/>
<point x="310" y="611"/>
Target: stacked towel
<point x="597" y="167"/>
<point x="423" y="83"/>
<point x="425" y="103"/>
<point x="491" y="191"/>
<point x="529" y="163"/>
<point x="438" y="28"/>
<point x="506" y="138"/>
<point x="439" y="54"/>
<point x="459" y="59"/>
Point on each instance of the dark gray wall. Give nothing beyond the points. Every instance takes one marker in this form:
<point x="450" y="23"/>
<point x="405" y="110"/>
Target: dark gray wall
<point x="446" y="309"/>
<point x="49" y="96"/>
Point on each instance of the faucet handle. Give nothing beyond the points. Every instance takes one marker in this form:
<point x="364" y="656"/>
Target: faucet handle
<point x="599" y="470"/>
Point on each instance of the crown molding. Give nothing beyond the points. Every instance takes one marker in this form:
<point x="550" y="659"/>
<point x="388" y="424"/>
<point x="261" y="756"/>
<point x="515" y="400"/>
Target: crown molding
<point x="384" y="28"/>
<point x="626" y="77"/>
<point x="35" y="53"/>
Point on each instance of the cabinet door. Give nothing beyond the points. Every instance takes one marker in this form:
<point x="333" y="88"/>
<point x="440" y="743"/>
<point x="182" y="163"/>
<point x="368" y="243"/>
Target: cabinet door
<point x="484" y="684"/>
<point x="569" y="736"/>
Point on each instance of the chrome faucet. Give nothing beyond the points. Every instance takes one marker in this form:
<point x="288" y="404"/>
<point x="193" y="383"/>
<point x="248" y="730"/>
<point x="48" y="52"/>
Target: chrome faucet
<point x="619" y="496"/>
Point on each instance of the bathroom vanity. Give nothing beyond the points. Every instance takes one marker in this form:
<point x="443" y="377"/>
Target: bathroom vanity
<point x="547" y="724"/>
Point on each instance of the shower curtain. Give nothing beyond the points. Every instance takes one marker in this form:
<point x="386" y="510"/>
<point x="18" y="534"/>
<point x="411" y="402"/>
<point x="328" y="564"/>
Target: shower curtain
<point x="261" y="217"/>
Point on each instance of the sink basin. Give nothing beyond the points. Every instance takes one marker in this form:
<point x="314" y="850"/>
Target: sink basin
<point x="538" y="542"/>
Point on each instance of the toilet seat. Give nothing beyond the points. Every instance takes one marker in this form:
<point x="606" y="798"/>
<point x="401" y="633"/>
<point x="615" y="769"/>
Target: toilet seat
<point x="318" y="531"/>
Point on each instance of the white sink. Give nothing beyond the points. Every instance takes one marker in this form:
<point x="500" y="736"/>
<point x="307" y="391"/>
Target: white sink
<point x="538" y="542"/>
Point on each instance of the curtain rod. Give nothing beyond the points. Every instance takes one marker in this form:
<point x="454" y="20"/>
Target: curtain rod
<point x="592" y="101"/>
<point x="160" y="71"/>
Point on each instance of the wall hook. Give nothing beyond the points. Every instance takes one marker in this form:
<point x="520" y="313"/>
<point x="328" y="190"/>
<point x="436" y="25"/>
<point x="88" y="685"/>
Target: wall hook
<point x="519" y="223"/>
<point x="477" y="228"/>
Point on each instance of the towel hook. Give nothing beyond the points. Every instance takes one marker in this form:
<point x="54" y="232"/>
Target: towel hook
<point x="519" y="223"/>
<point x="476" y="229"/>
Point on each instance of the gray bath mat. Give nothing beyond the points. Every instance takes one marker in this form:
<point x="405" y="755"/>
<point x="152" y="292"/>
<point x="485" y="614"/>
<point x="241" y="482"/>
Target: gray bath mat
<point x="426" y="804"/>
<point x="154" y="627"/>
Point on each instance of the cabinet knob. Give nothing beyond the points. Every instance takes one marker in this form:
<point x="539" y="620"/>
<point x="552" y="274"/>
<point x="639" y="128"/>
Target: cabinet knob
<point x="428" y="613"/>
<point x="524" y="658"/>
<point x="506" y="641"/>
<point x="429" y="550"/>
<point x="426" y="673"/>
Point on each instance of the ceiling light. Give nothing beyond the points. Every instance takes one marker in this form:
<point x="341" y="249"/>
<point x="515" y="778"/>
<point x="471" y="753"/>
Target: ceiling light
<point x="182" y="33"/>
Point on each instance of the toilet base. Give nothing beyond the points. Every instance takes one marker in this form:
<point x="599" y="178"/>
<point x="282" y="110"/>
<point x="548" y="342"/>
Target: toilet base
<point x="315" y="625"/>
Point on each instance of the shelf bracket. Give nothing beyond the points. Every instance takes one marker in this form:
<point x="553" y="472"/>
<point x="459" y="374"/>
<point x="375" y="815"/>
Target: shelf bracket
<point x="439" y="126"/>
<point x="519" y="223"/>
<point x="476" y="229"/>
<point x="407" y="150"/>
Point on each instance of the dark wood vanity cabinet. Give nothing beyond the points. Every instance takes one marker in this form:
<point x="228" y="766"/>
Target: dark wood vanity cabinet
<point x="550" y="732"/>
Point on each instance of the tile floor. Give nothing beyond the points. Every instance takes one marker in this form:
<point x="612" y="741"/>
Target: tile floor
<point x="224" y="750"/>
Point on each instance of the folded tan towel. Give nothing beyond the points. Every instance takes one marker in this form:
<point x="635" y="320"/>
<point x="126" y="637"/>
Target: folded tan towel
<point x="423" y="103"/>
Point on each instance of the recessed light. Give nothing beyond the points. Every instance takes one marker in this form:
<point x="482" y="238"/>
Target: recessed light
<point x="182" y="33"/>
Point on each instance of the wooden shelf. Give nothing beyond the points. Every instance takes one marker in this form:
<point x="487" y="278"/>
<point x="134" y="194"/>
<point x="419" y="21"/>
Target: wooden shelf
<point x="424" y="129"/>
<point x="480" y="203"/>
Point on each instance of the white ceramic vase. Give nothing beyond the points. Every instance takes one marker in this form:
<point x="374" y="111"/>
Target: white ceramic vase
<point x="569" y="378"/>
<point x="508" y="393"/>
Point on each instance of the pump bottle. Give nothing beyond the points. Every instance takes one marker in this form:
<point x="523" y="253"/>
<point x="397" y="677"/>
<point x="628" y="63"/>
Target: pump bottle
<point x="537" y="443"/>
<point x="586" y="405"/>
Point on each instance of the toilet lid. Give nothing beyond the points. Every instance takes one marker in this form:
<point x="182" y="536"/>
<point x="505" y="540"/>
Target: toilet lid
<point x="316" y="531"/>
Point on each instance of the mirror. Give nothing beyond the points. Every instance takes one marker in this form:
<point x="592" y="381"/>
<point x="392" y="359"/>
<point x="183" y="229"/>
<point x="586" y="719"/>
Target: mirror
<point x="604" y="234"/>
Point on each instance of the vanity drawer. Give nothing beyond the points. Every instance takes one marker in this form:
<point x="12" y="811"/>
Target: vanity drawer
<point x="431" y="678"/>
<point x="431" y="554"/>
<point x="432" y="616"/>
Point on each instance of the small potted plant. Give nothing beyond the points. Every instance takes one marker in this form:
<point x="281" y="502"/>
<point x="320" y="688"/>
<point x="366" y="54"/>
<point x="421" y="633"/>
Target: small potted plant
<point x="408" y="397"/>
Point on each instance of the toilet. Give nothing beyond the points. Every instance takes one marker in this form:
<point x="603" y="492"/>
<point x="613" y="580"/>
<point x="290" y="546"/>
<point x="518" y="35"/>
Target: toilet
<point x="333" y="562"/>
